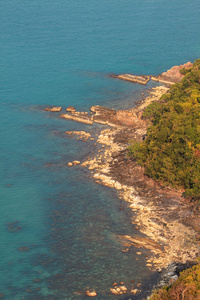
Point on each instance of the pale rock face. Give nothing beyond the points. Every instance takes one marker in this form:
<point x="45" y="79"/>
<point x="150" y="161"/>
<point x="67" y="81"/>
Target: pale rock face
<point x="91" y="293"/>
<point x="76" y="162"/>
<point x="135" y="291"/>
<point x="70" y="108"/>
<point x="174" y="73"/>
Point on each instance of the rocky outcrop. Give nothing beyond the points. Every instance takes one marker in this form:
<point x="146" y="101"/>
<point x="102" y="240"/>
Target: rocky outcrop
<point x="173" y="75"/>
<point x="78" y="117"/>
<point x="118" y="290"/>
<point x="81" y="134"/>
<point x="90" y="293"/>
<point x="71" y="109"/>
<point x="109" y="116"/>
<point x="104" y="115"/>
<point x="141" y="242"/>
<point x="73" y="163"/>
<point x="54" y="109"/>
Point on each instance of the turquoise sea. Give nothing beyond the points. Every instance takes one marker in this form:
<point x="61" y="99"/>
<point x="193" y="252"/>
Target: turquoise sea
<point x="58" y="227"/>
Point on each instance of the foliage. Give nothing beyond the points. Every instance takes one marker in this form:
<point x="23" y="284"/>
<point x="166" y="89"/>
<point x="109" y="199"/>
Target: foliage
<point x="187" y="287"/>
<point x="171" y="150"/>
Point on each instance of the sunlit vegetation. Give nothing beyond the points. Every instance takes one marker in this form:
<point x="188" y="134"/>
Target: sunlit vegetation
<point x="186" y="287"/>
<point x="171" y="150"/>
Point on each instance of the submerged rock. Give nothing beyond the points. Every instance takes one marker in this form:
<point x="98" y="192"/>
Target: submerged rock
<point x="14" y="226"/>
<point x="82" y="134"/>
<point x="135" y="291"/>
<point x="23" y="249"/>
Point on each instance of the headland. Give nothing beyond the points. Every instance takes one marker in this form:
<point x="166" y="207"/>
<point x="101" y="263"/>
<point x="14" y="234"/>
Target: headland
<point x="169" y="224"/>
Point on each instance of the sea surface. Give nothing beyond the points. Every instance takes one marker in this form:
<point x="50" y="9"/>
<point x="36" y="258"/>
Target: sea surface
<point x="58" y="228"/>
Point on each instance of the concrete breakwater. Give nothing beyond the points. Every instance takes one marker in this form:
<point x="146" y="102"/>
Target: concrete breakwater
<point x="170" y="77"/>
<point x="142" y="79"/>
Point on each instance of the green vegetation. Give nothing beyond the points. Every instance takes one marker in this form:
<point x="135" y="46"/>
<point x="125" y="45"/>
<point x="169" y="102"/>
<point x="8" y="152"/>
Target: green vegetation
<point x="187" y="287"/>
<point x="171" y="150"/>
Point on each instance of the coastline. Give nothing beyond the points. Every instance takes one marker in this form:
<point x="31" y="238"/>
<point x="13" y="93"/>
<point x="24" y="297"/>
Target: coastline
<point x="160" y="212"/>
<point x="165" y="219"/>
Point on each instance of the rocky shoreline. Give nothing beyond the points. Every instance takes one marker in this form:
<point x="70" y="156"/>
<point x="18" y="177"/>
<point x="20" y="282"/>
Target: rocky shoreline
<point x="169" y="224"/>
<point x="161" y="213"/>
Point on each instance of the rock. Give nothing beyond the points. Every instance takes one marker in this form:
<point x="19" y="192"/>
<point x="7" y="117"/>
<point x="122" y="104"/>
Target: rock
<point x="126" y="250"/>
<point x="70" y="108"/>
<point x="118" y="290"/>
<point x="114" y="291"/>
<point x="115" y="154"/>
<point x="123" y="288"/>
<point x="91" y="293"/>
<point x="82" y="134"/>
<point x="14" y="226"/>
<point x="173" y="75"/>
<point x="2" y="295"/>
<point x="23" y="249"/>
<point x="54" y="109"/>
<point x="142" y="242"/>
<point x="118" y="186"/>
<point x="76" y="162"/>
<point x="138" y="253"/>
<point x="135" y="291"/>
<point x="70" y="164"/>
<point x="198" y="237"/>
<point x="115" y="283"/>
<point x="37" y="280"/>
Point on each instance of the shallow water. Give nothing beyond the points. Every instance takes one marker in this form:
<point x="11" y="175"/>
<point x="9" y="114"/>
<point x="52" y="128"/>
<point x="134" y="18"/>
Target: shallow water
<point x="58" y="228"/>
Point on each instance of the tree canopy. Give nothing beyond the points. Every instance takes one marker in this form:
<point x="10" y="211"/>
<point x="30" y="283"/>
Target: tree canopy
<point x="171" y="151"/>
